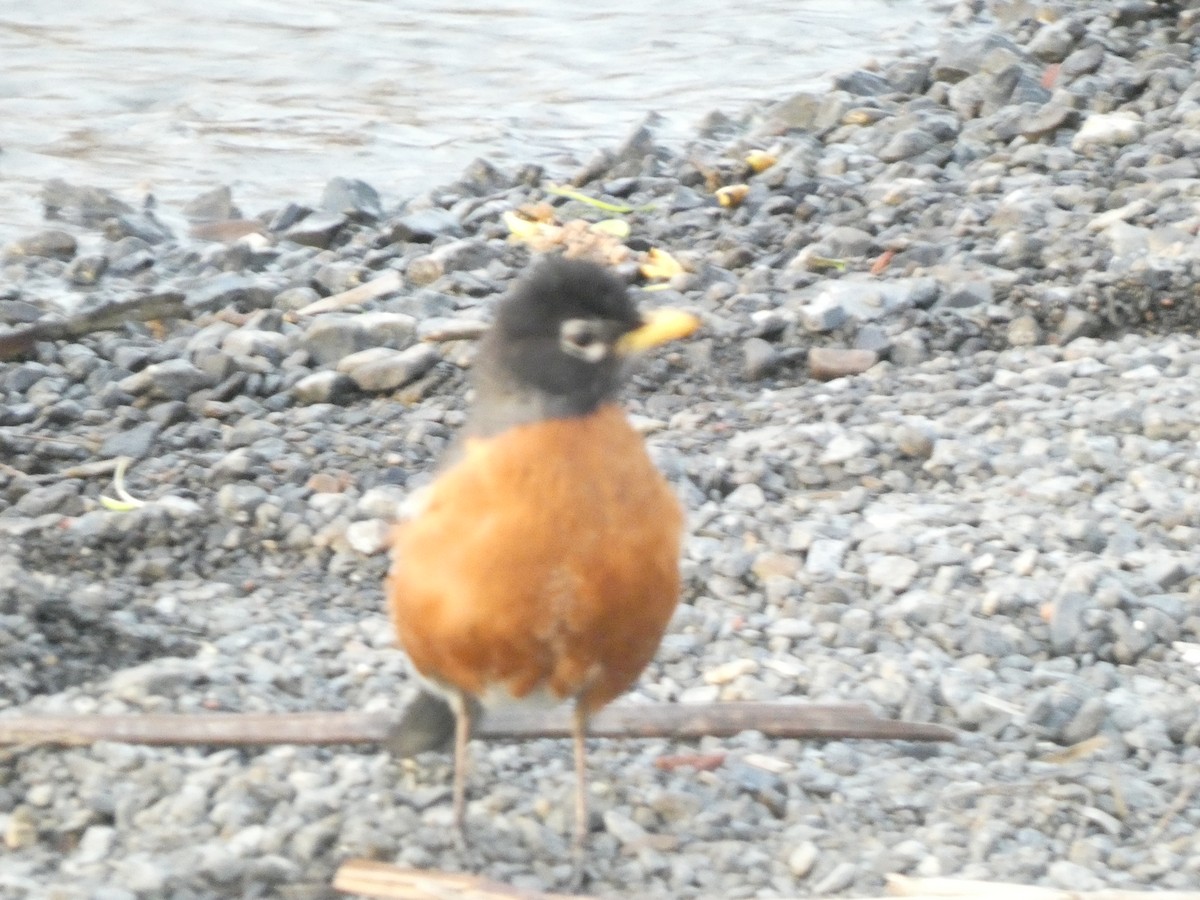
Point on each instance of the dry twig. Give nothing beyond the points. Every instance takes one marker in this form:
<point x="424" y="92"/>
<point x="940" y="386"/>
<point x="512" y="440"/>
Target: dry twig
<point x="377" y="879"/>
<point x="791" y="720"/>
<point x="376" y="287"/>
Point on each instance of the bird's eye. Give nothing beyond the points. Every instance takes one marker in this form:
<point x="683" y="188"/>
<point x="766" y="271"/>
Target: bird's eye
<point x="579" y="338"/>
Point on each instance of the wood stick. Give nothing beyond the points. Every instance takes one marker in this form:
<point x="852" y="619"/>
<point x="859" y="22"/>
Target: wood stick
<point x="377" y="879"/>
<point x="19" y="342"/>
<point x="385" y="284"/>
<point x="970" y="889"/>
<point x="826" y="721"/>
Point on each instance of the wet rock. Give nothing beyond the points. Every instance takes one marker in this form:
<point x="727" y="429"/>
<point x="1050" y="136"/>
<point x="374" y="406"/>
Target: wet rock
<point x="144" y="226"/>
<point x="354" y="199"/>
<point x="81" y="205"/>
<point x="229" y="291"/>
<point x="215" y="205"/>
<point x="18" y="312"/>
<point x="425" y="226"/>
<point x="85" y="271"/>
<point x="862" y="83"/>
<point x="51" y="244"/>
<point x="316" y="230"/>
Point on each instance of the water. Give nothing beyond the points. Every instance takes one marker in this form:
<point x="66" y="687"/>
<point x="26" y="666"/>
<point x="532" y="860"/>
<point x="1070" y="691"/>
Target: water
<point x="275" y="97"/>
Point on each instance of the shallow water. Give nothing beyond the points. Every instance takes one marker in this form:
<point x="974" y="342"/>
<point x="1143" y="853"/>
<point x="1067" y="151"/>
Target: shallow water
<point x="277" y="96"/>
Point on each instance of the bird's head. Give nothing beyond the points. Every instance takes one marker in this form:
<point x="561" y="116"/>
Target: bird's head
<point x="560" y="341"/>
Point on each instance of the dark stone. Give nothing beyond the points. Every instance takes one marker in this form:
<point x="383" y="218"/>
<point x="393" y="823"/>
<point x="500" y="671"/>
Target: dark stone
<point x="480" y="179"/>
<point x="425" y="225"/>
<point x="863" y="84"/>
<point x="144" y="226"/>
<point x="352" y="198"/>
<point x="61" y="497"/>
<point x="134" y="442"/>
<point x="86" y="270"/>
<point x="316" y="230"/>
<point x="1048" y="119"/>
<point x="1083" y="61"/>
<point x="907" y="144"/>
<point x="81" y="205"/>
<point x="131" y="263"/>
<point x="18" y="312"/>
<point x="287" y="217"/>
<point x="215" y="205"/>
<point x="759" y="359"/>
<point x="229" y="290"/>
<point x="17" y="413"/>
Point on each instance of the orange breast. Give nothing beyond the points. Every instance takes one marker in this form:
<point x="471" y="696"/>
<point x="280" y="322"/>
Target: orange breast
<point x="546" y="558"/>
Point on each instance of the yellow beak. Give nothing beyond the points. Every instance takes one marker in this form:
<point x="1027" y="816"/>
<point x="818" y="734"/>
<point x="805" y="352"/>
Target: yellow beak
<point x="658" y="327"/>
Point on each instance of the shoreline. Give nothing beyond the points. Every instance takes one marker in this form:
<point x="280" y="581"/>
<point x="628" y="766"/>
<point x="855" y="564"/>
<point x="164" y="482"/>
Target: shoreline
<point x="991" y="526"/>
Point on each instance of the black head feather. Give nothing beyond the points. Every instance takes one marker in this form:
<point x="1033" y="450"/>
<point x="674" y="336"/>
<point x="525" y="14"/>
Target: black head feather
<point x="524" y="373"/>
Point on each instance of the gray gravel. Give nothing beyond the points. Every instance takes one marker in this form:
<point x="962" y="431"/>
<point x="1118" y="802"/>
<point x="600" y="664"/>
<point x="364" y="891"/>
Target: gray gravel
<point x="992" y="527"/>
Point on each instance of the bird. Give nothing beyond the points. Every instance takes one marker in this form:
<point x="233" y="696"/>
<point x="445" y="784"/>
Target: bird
<point x="542" y="565"/>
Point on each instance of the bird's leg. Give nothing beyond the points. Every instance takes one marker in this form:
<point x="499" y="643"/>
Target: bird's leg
<point x="463" y="711"/>
<point x="579" y="725"/>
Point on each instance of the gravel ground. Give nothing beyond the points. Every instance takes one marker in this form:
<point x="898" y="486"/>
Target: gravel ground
<point x="992" y="527"/>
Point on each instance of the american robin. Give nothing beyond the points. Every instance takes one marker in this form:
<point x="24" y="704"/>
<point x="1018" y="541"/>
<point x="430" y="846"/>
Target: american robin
<point x="543" y="565"/>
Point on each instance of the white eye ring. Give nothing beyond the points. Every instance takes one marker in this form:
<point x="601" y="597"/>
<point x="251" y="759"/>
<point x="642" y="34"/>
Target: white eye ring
<point x="579" y="338"/>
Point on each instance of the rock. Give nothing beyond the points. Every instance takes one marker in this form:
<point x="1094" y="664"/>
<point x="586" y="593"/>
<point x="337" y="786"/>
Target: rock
<point x="316" y="230"/>
<point x="801" y="860"/>
<point x="759" y="359"/>
<point x="352" y="199"/>
<point x="1083" y="61"/>
<point x="827" y="363"/>
<point x="425" y="226"/>
<point x="388" y="329"/>
<point x="325" y="387"/>
<point x="1107" y="130"/>
<point x="173" y="379"/>
<point x="134" y="442"/>
<point x="61" y="498"/>
<point x="369" y="536"/>
<point x="907" y="144"/>
<point x="81" y="205"/>
<point x="215" y="205"/>
<point x="144" y="226"/>
<point x="1023" y="331"/>
<point x="452" y="257"/>
<point x="862" y="83"/>
<point x="824" y="557"/>
<point x="330" y="338"/>
<point x="893" y="573"/>
<point x="1052" y="43"/>
<point x="50" y="244"/>
<point x="85" y="271"/>
<point x="18" y="312"/>
<point x="228" y="291"/>
<point x="384" y="369"/>
<point x="1076" y="323"/>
